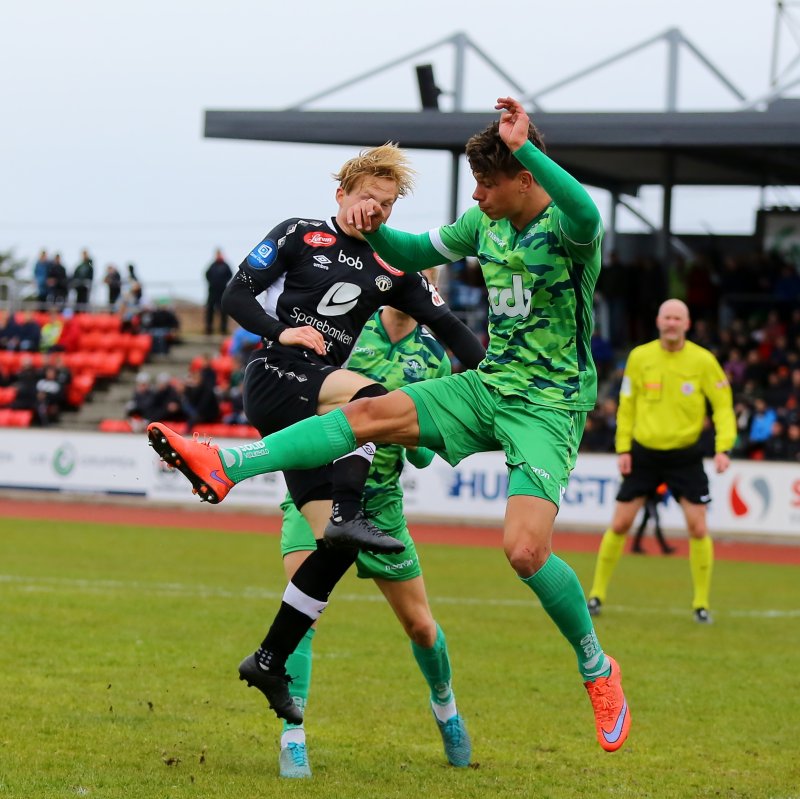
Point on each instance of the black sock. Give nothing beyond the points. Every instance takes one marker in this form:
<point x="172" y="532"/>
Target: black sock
<point x="316" y="577"/>
<point x="349" y="476"/>
<point x="350" y="472"/>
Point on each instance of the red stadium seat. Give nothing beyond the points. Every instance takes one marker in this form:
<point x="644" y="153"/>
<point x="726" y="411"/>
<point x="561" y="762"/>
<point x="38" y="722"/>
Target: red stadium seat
<point x="115" y="426"/>
<point x="7" y="395"/>
<point x="20" y="418"/>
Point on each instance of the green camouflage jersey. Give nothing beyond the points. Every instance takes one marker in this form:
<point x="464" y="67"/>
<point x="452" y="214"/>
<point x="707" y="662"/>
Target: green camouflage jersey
<point x="416" y="357"/>
<point x="541" y="286"/>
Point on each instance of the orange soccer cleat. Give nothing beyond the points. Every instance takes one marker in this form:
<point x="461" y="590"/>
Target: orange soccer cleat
<point x="198" y="461"/>
<point x="612" y="717"/>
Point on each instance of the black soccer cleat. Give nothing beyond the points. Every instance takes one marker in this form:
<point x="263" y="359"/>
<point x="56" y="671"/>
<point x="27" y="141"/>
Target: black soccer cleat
<point x="274" y="686"/>
<point x="593" y="606"/>
<point x="702" y="616"/>
<point x="361" y="533"/>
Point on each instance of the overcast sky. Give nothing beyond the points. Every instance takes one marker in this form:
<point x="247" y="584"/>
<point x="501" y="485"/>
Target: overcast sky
<point x="101" y="110"/>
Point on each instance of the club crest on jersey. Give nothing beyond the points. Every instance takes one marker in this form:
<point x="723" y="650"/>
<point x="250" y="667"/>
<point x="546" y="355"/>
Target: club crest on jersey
<point x="318" y="238"/>
<point x="687" y="389"/>
<point x="390" y="269"/>
<point x="383" y="283"/>
<point x="264" y="255"/>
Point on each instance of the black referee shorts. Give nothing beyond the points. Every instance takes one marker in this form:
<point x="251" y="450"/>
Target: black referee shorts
<point x="681" y="469"/>
<point x="279" y="390"/>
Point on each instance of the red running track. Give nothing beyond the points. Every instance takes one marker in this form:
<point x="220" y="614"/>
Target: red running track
<point x="207" y="517"/>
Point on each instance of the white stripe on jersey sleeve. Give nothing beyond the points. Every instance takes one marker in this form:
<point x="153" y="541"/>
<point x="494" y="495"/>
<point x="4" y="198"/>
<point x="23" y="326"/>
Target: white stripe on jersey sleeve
<point x="441" y="248"/>
<point x="269" y="298"/>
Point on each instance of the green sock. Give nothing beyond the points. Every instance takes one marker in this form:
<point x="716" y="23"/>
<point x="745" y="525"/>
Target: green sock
<point x="434" y="663"/>
<point x="305" y="445"/>
<point x="561" y="595"/>
<point x="298" y="667"/>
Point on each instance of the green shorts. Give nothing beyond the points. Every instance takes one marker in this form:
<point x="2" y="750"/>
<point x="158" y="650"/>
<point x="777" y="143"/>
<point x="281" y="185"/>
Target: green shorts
<point x="296" y="536"/>
<point x="459" y="416"/>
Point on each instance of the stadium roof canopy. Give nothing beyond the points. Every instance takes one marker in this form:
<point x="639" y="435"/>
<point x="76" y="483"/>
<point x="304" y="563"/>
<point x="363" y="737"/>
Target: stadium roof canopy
<point x="615" y="151"/>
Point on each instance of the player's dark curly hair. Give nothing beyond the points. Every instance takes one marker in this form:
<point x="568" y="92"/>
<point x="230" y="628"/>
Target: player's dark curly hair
<point x="489" y="155"/>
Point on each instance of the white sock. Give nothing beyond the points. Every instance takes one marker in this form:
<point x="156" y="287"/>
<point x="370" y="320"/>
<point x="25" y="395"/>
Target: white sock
<point x="297" y="735"/>
<point x="445" y="712"/>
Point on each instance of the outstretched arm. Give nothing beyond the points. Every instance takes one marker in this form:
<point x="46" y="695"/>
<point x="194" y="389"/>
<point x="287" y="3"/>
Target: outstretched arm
<point x="581" y="218"/>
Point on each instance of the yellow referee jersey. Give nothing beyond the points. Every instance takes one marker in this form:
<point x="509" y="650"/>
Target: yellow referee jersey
<point x="662" y="402"/>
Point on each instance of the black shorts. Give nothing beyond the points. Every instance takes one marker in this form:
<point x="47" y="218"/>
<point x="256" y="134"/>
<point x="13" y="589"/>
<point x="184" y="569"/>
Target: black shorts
<point x="279" y="390"/>
<point x="681" y="469"/>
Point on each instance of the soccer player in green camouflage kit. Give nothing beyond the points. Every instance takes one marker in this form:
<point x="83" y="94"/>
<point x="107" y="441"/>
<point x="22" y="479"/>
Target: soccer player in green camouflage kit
<point x="392" y="350"/>
<point x="536" y="234"/>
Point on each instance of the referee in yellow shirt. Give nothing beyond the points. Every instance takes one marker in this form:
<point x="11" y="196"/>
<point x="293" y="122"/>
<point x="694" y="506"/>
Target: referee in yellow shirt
<point x="662" y="407"/>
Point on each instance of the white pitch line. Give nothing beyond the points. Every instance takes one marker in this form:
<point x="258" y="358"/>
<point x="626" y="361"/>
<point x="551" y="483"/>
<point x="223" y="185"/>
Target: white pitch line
<point x="41" y="584"/>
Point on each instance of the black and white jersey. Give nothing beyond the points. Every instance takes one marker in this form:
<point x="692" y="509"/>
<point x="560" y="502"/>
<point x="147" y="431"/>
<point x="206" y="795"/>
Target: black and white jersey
<point x="315" y="274"/>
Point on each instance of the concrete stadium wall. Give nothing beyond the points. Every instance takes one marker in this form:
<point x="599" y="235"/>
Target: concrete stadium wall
<point x="753" y="499"/>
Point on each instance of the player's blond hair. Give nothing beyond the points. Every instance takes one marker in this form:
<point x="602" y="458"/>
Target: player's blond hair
<point x="386" y="161"/>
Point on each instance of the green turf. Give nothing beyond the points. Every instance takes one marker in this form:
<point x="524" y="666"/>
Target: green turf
<point x="119" y="647"/>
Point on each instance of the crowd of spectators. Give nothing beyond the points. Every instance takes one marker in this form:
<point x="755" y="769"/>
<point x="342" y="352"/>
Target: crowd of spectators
<point x="203" y="396"/>
<point x="745" y="309"/>
<point x="41" y="390"/>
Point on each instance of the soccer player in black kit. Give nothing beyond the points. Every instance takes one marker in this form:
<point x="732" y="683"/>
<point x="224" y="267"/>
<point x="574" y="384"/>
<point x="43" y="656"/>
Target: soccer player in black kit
<point x="308" y="288"/>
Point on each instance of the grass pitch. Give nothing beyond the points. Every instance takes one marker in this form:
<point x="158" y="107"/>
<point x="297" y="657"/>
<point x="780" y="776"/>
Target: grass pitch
<point x="119" y="648"/>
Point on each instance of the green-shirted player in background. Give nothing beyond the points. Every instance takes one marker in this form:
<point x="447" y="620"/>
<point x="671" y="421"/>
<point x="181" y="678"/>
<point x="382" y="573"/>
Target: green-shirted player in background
<point x="662" y="406"/>
<point x="392" y="350"/>
<point x="536" y="234"/>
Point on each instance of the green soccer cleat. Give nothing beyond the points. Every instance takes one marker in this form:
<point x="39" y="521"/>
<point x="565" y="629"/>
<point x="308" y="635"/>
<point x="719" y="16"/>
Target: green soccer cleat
<point x="293" y="762"/>
<point x="457" y="745"/>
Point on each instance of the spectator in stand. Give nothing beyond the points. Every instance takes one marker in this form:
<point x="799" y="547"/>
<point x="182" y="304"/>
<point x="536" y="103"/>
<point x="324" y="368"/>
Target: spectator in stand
<point x="776" y="446"/>
<point x="734" y="368"/>
<point x="82" y="279"/>
<point x="139" y="408"/>
<point x="778" y="390"/>
<point x="243" y="342"/>
<point x="55" y="360"/>
<point x="134" y="292"/>
<point x="40" y="270"/>
<point x="756" y="369"/>
<point x="793" y="442"/>
<point x="28" y="335"/>
<point x="9" y="331"/>
<point x="26" y="379"/>
<point x="162" y="323"/>
<point x="760" y="426"/>
<point x="57" y="282"/>
<point x="167" y="401"/>
<point x="200" y="403"/>
<point x="113" y="280"/>
<point x="70" y="339"/>
<point x="50" y="397"/>
<point x="218" y="276"/>
<point x="51" y="331"/>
